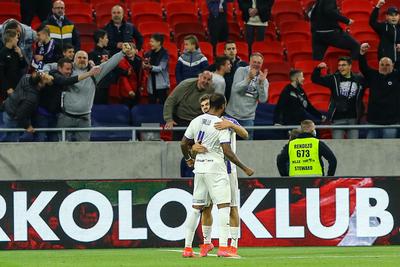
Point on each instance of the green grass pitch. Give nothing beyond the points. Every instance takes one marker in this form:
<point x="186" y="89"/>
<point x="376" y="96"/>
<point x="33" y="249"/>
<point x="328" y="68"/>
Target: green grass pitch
<point x="167" y="257"/>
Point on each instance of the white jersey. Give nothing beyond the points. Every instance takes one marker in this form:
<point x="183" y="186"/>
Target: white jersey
<point x="202" y="129"/>
<point x="231" y="168"/>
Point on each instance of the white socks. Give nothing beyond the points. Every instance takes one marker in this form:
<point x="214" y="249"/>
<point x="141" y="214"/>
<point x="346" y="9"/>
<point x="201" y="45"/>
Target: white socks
<point x="191" y="226"/>
<point x="234" y="236"/>
<point x="206" y="233"/>
<point x="223" y="218"/>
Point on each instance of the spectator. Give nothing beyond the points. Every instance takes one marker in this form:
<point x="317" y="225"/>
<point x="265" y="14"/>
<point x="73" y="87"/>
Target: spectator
<point x="47" y="50"/>
<point x="20" y="107"/>
<point x="99" y="55"/>
<point x="250" y="85"/>
<point x="182" y="105"/>
<point x="283" y="167"/>
<point x="191" y="62"/>
<point x="223" y="66"/>
<point x="50" y="97"/>
<point x="217" y="21"/>
<point x="68" y="52"/>
<point x="383" y="103"/>
<point x="129" y="79"/>
<point x="26" y="37"/>
<point x="11" y="63"/>
<point x="347" y="90"/>
<point x="156" y="63"/>
<point x="326" y="31"/>
<point x="30" y="8"/>
<point x="388" y="31"/>
<point x="230" y="51"/>
<point x="77" y="101"/>
<point x="120" y="31"/>
<point x="255" y="14"/>
<point x="293" y="102"/>
<point x="62" y="30"/>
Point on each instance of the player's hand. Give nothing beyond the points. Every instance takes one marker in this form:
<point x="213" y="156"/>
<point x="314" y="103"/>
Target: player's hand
<point x="322" y="65"/>
<point x="263" y="75"/>
<point x="364" y="48"/>
<point x="224" y="124"/>
<point x="190" y="163"/>
<point x="170" y="124"/>
<point x="380" y="3"/>
<point x="249" y="171"/>
<point x="199" y="148"/>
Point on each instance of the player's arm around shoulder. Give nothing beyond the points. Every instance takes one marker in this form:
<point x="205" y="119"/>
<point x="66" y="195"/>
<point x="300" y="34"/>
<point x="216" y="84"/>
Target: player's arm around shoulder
<point x="228" y="124"/>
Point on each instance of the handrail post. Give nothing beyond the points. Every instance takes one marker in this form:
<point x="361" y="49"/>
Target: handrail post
<point x="63" y="135"/>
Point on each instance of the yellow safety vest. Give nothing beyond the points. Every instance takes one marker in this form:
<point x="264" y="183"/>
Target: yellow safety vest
<point x="304" y="157"/>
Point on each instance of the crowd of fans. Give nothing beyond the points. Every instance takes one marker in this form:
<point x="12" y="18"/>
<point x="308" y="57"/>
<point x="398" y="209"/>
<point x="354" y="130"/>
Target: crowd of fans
<point x="47" y="81"/>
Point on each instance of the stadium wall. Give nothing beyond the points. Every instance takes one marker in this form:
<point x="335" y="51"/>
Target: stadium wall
<point x="66" y="161"/>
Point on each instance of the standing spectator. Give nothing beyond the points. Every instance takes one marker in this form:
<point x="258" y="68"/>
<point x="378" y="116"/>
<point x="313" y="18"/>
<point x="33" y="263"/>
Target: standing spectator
<point x="62" y="30"/>
<point x="68" y="52"/>
<point x="383" y="103"/>
<point x="99" y="55"/>
<point x="156" y="63"/>
<point x="326" y="31"/>
<point x="50" y="97"/>
<point x="47" y="50"/>
<point x="20" y="107"/>
<point x="250" y="85"/>
<point x="256" y="14"/>
<point x="11" y="63"/>
<point x="388" y="31"/>
<point x="230" y="51"/>
<point x="26" y="37"/>
<point x="182" y="105"/>
<point x="223" y="65"/>
<point x="129" y="74"/>
<point x="347" y="90"/>
<point x="120" y="31"/>
<point x="77" y="101"/>
<point x="30" y="8"/>
<point x="191" y="62"/>
<point x="217" y="22"/>
<point x="293" y="102"/>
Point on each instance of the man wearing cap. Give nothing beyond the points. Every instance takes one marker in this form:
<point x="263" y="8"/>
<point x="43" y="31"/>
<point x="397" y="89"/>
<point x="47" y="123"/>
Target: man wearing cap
<point x="388" y="31"/>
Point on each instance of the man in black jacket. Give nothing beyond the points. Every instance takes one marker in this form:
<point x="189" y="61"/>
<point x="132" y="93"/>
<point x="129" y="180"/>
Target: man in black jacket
<point x="326" y="31"/>
<point x="255" y="15"/>
<point x="388" y="31"/>
<point x="120" y="31"/>
<point x="305" y="153"/>
<point x="384" y="98"/>
<point x="293" y="102"/>
<point x="347" y="90"/>
<point x="21" y="105"/>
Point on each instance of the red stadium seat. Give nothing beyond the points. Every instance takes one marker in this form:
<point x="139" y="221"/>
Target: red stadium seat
<point x="300" y="50"/>
<point x="172" y="51"/>
<point x="352" y="8"/>
<point x="286" y="11"/>
<point x="86" y="31"/>
<point x="80" y="13"/>
<point x="150" y="11"/>
<point x="295" y="30"/>
<point x="272" y="50"/>
<point x="274" y="91"/>
<point x="363" y="32"/>
<point x="315" y="89"/>
<point x="183" y="29"/>
<point x="9" y="10"/>
<point x="307" y="66"/>
<point x="207" y="50"/>
<point x="148" y="28"/>
<point x="332" y="55"/>
<point x="277" y="71"/>
<point x="270" y="31"/>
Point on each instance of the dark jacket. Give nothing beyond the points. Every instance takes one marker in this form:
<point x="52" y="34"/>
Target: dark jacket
<point x="345" y="103"/>
<point x="229" y="76"/>
<point x="22" y="104"/>
<point x="292" y="106"/>
<point x="282" y="160"/>
<point x="264" y="9"/>
<point x="67" y="33"/>
<point x="50" y="96"/>
<point x="126" y="33"/>
<point x="10" y="69"/>
<point x="213" y="7"/>
<point x="98" y="54"/>
<point x="384" y="97"/>
<point x="190" y="65"/>
<point x="326" y="16"/>
<point x="389" y="36"/>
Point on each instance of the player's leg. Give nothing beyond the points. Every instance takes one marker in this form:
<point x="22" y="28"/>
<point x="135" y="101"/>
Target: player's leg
<point x="199" y="198"/>
<point x="234" y="213"/>
<point x="206" y="226"/>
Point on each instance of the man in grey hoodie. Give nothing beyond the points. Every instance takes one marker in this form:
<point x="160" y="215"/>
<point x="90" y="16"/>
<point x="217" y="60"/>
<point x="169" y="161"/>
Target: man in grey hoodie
<point x="27" y="36"/>
<point x="250" y="85"/>
<point x="77" y="101"/>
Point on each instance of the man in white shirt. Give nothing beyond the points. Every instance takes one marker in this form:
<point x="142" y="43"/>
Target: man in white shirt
<point x="210" y="172"/>
<point x="223" y="65"/>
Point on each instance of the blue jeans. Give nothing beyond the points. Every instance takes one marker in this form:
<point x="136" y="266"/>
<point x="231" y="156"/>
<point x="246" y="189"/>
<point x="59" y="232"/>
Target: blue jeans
<point x="246" y="123"/>
<point x="382" y="133"/>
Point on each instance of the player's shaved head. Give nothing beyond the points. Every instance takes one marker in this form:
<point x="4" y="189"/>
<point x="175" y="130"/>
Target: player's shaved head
<point x="217" y="101"/>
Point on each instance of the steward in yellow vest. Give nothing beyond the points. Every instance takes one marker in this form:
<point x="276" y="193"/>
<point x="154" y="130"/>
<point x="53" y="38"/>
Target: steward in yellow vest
<point x="304" y="155"/>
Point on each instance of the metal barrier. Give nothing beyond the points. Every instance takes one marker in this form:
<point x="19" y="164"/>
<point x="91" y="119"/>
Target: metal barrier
<point x="133" y="130"/>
